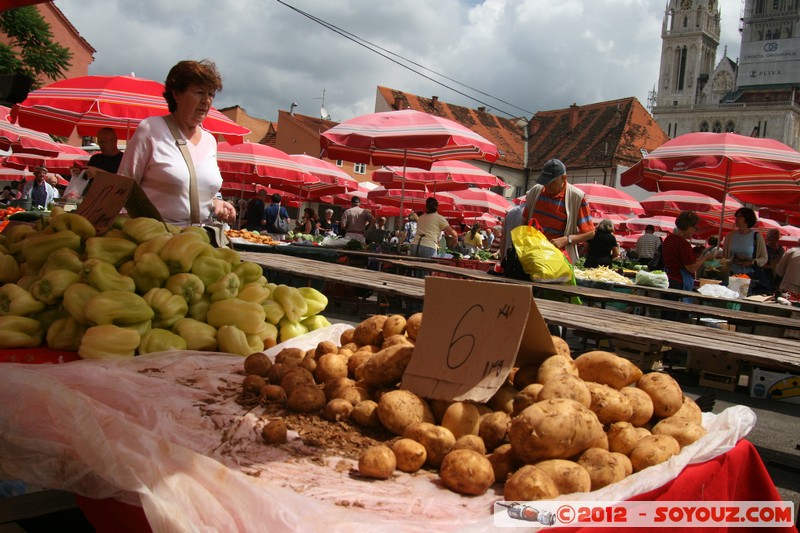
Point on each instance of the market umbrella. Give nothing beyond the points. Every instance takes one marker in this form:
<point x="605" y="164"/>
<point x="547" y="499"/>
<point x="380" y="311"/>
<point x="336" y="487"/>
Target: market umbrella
<point x="442" y="176"/>
<point x="88" y="103"/>
<point x="608" y="200"/>
<point x="260" y="164"/>
<point x="480" y="200"/>
<point x="710" y="211"/>
<point x="62" y="163"/>
<point x="485" y="220"/>
<point x="660" y="223"/>
<point x="409" y="199"/>
<point x="22" y="140"/>
<point x="332" y="179"/>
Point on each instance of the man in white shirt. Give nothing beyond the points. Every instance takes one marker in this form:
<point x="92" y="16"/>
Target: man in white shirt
<point x="647" y="245"/>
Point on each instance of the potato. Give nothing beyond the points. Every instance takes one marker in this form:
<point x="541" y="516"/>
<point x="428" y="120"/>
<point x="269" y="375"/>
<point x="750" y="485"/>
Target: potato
<point x="274" y="432"/>
<point x="337" y="409"/>
<point x="345" y="352"/>
<point x="553" y="429"/>
<point x="398" y="409"/>
<point x="562" y="348"/>
<point x="601" y="443"/>
<point x="353" y="395"/>
<point x="684" y="431"/>
<point x="467" y="472"/>
<point x="653" y="450"/>
<point x="566" y="386"/>
<point x="356" y="360"/>
<point x="386" y="367"/>
<point x="529" y="483"/>
<point x="306" y="399"/>
<point x="664" y="391"/>
<point x="330" y="366"/>
<point x="609" y="404"/>
<point x="332" y="387"/>
<point x="438" y="441"/>
<point x="410" y="455"/>
<point x="377" y="462"/>
<point x="555" y="365"/>
<point x="689" y="411"/>
<point x="462" y="418"/>
<point x="413" y="323"/>
<point x="365" y="414"/>
<point x="470" y="442"/>
<point x="252" y="384"/>
<point x="346" y="336"/>
<point x="625" y="461"/>
<point x="503" y="399"/>
<point x="439" y="407"/>
<point x="525" y="398"/>
<point x="309" y="363"/>
<point x="607" y="368"/>
<point x="312" y="353"/>
<point x="394" y="325"/>
<point x="290" y="356"/>
<point x="370" y="331"/>
<point x="524" y="376"/>
<point x="604" y="467"/>
<point x="568" y="476"/>
<point x="295" y="377"/>
<point x="257" y="363"/>
<point x="622" y="437"/>
<point x="493" y="429"/>
<point x="272" y="393"/>
<point x="400" y="339"/>
<point x="641" y="403"/>
<point x="279" y="370"/>
<point x="503" y="462"/>
<point x="642" y="433"/>
<point x="350" y="346"/>
<point x="325" y="347"/>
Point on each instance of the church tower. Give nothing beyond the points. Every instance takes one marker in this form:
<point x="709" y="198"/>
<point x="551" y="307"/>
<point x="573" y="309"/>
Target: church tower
<point x="689" y="37"/>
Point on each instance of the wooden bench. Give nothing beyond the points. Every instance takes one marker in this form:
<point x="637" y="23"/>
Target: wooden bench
<point x="769" y="352"/>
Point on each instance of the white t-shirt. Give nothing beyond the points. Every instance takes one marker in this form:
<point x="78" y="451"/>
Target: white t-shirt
<point x="154" y="160"/>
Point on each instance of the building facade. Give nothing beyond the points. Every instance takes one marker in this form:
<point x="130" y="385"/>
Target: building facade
<point x="757" y="96"/>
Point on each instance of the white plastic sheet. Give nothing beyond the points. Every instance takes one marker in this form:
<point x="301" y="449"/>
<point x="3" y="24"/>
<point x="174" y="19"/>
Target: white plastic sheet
<point x="164" y="431"/>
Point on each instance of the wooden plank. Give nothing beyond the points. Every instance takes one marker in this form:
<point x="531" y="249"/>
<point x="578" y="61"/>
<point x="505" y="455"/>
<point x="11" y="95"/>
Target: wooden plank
<point x="770" y="352"/>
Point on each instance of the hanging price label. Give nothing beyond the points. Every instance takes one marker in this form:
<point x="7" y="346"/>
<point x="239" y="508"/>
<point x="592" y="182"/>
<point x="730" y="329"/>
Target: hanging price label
<point x="473" y="333"/>
<point x="107" y="196"/>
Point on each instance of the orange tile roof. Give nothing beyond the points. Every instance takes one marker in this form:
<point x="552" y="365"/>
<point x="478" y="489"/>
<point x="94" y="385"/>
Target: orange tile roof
<point x="503" y="132"/>
<point x="599" y="135"/>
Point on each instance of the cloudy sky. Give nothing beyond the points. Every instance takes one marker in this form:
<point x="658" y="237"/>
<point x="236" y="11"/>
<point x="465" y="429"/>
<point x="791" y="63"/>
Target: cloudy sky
<point x="515" y="57"/>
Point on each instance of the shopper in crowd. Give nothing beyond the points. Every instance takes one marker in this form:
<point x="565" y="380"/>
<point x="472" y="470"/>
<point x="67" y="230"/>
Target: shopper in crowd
<point x="473" y="239"/>
<point x="254" y="217"/>
<point x="775" y="251"/>
<point x="276" y="217"/>
<point x="355" y="221"/>
<point x="744" y="246"/>
<point x="560" y="208"/>
<point x="787" y="270"/>
<point x="39" y="190"/>
<point x="680" y="261"/>
<point x="713" y="254"/>
<point x="429" y="229"/>
<point x="153" y="155"/>
<point x="410" y="227"/>
<point x="647" y="245"/>
<point x="308" y="222"/>
<point x="602" y="249"/>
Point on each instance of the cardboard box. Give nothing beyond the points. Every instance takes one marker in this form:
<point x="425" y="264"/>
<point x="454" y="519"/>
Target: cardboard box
<point x="783" y="387"/>
<point x="718" y="381"/>
<point x="726" y="365"/>
<point x="638" y="346"/>
<point x="646" y="361"/>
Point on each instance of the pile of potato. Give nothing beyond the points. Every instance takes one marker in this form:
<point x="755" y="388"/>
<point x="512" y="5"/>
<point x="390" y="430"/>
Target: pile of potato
<point x="560" y="426"/>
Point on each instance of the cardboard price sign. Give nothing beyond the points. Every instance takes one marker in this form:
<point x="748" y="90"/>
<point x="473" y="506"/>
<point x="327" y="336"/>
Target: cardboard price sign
<point x="473" y="333"/>
<point x="107" y="196"/>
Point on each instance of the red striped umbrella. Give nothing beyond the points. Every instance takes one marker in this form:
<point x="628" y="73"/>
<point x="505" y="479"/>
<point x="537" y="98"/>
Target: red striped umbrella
<point x="332" y="179"/>
<point x="606" y="200"/>
<point x="88" y="103"/>
<point x="22" y="140"/>
<point x="673" y="202"/>
<point x="764" y="172"/>
<point x="260" y="164"/>
<point x="60" y="164"/>
<point x="660" y="223"/>
<point x="442" y="176"/>
<point x="480" y="200"/>
<point x="408" y="199"/>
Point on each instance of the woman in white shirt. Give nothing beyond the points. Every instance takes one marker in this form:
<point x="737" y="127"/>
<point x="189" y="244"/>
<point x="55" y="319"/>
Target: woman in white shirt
<point x="153" y="158"/>
<point x="429" y="227"/>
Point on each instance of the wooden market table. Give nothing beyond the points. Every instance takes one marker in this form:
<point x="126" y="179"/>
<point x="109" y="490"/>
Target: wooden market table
<point x="770" y="352"/>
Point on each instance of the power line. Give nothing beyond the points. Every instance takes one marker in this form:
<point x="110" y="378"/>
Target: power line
<point x="375" y="49"/>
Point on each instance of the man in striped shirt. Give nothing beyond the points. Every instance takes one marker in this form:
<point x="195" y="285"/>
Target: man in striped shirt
<point x="560" y="209"/>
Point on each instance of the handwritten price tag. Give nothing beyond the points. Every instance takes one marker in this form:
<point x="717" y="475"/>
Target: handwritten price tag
<point x="471" y="338"/>
<point x="107" y="196"/>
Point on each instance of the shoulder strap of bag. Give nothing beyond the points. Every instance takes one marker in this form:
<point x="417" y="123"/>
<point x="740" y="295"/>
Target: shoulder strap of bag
<point x="194" y="202"/>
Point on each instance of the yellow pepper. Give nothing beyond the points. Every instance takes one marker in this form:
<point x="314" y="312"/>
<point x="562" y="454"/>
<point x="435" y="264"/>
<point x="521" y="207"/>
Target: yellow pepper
<point x="181" y="250"/>
<point x="75" y="223"/>
<point x="293" y="303"/>
<point x="149" y="272"/>
<point x="9" y="269"/>
<point x="315" y="300"/>
<point x="117" y="307"/>
<point x="161" y="340"/>
<point x="229" y="255"/>
<point x="198" y="232"/>
<point x="142" y="327"/>
<point x="19" y="332"/>
<point x="210" y="269"/>
<point x="112" y="250"/>
<point x="109" y="342"/>
<point x="48" y="315"/>
<point x="273" y="311"/>
<point x="253" y="292"/>
<point x="199" y="310"/>
<point x="289" y="329"/>
<point x="50" y="288"/>
<point x="14" y="300"/>
<point x="248" y="271"/>
<point x="37" y="248"/>
<point x="74" y="300"/>
<point x="104" y="277"/>
<point x="198" y="335"/>
<point x="247" y="316"/>
<point x="144" y="229"/>
<point x="233" y="340"/>
<point x="14" y="236"/>
<point x="315" y="322"/>
<point x="65" y="334"/>
<point x="226" y="287"/>
<point x="63" y="259"/>
<point x="168" y="308"/>
<point x="152" y="246"/>
<point x="187" y="285"/>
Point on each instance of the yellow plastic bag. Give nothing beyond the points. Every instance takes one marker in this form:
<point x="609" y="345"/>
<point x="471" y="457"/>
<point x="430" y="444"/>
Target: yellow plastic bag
<point x="540" y="258"/>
